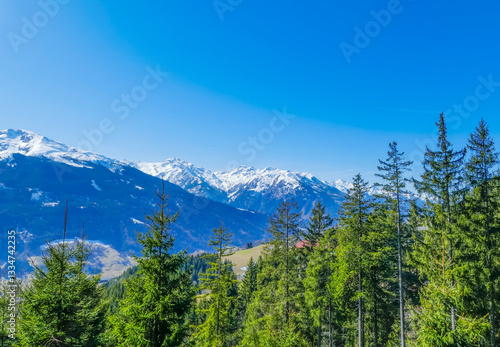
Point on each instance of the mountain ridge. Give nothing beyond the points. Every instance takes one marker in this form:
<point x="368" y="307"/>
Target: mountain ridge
<point x="244" y="187"/>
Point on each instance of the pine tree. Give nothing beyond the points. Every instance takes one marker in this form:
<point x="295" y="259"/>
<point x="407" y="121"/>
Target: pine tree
<point x="249" y="283"/>
<point x="277" y="310"/>
<point x="218" y="282"/>
<point x="442" y="183"/>
<point x="157" y="299"/>
<point x="318" y="292"/>
<point x="433" y="320"/>
<point x="320" y="242"/>
<point x="482" y="224"/>
<point x="351" y="249"/>
<point x="285" y="231"/>
<point x="392" y="173"/>
<point x="319" y="223"/>
<point x="382" y="286"/>
<point x="62" y="305"/>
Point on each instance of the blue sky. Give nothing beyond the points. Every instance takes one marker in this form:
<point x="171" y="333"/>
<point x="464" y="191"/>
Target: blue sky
<point x="355" y="76"/>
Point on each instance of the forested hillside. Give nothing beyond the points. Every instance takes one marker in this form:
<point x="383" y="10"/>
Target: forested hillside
<point x="416" y="265"/>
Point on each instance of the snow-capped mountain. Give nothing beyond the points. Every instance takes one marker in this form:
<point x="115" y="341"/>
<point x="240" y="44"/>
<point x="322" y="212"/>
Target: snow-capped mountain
<point x="38" y="175"/>
<point x="248" y="188"/>
<point x="195" y="180"/>
<point x="259" y="190"/>
<point x="262" y="189"/>
<point x="30" y="144"/>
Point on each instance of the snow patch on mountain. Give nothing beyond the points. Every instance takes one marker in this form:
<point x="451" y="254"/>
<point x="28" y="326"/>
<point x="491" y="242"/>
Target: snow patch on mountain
<point x="50" y="204"/>
<point x="36" y="195"/>
<point x="136" y="221"/>
<point x="96" y="187"/>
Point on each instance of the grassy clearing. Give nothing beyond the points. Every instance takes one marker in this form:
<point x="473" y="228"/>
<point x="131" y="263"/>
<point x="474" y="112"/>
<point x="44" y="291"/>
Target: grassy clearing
<point x="241" y="258"/>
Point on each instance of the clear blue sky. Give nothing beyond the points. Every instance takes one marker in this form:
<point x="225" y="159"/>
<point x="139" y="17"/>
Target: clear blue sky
<point x="65" y="72"/>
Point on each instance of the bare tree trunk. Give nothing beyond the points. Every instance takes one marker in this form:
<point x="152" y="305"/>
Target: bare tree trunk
<point x="286" y="274"/>
<point x="493" y="329"/>
<point x="330" y="342"/>
<point x="400" y="276"/>
<point x="450" y="251"/>
<point x="361" y="321"/>
<point x="491" y="291"/>
<point x="375" y="325"/>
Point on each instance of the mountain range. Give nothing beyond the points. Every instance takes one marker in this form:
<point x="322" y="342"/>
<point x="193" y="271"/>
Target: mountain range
<point x="259" y="190"/>
<point x="109" y="196"/>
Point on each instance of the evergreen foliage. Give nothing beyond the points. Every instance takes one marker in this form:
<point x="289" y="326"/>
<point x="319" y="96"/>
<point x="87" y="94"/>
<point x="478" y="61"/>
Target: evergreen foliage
<point x="62" y="305"/>
<point x="319" y="223"/>
<point x="481" y="229"/>
<point x="158" y="299"/>
<point x="394" y="269"/>
<point x="278" y="310"/>
<point x="392" y="172"/>
<point x="220" y="286"/>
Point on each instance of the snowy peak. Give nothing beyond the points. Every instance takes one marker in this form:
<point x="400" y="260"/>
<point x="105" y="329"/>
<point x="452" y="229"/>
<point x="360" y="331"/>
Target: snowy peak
<point x="342" y="185"/>
<point x="196" y="180"/>
<point x="259" y="180"/>
<point x="176" y="171"/>
<point x="244" y="187"/>
<point x="27" y="143"/>
<point x="31" y="144"/>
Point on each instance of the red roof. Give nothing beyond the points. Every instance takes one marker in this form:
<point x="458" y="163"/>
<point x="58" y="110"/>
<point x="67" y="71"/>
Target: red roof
<point x="303" y="244"/>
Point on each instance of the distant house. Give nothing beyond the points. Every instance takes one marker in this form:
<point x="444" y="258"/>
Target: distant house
<point x="305" y="244"/>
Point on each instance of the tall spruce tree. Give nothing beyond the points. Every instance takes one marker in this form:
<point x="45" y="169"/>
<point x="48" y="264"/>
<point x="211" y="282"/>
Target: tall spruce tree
<point x="218" y="282"/>
<point x="353" y="228"/>
<point x="319" y="266"/>
<point x="482" y="224"/>
<point x="432" y="319"/>
<point x="382" y="286"/>
<point x="392" y="171"/>
<point x="318" y="293"/>
<point x="319" y="223"/>
<point x="276" y="312"/>
<point x="442" y="183"/>
<point x="157" y="299"/>
<point x="63" y="305"/>
<point x="249" y="283"/>
<point x="285" y="230"/>
<point x="247" y="286"/>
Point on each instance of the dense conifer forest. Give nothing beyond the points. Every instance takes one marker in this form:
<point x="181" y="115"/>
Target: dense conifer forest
<point x="415" y="264"/>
